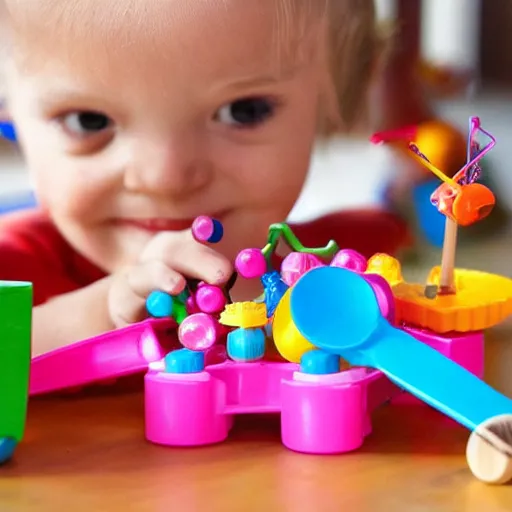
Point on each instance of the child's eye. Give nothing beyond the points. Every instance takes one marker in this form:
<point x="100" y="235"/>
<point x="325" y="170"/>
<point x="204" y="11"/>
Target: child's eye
<point x="81" y="124"/>
<point x="246" y="113"/>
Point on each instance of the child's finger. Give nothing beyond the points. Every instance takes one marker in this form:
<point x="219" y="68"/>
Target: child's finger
<point x="189" y="258"/>
<point x="200" y="262"/>
<point x="127" y="297"/>
<point x="155" y="275"/>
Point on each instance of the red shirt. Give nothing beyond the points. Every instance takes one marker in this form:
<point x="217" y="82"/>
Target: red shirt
<point x="31" y="248"/>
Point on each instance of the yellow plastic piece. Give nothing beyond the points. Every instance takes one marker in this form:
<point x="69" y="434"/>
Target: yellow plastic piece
<point x="387" y="267"/>
<point x="482" y="300"/>
<point x="288" y="341"/>
<point x="244" y="314"/>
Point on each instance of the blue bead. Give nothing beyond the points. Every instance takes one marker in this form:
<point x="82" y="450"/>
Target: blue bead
<point x="318" y="362"/>
<point x="7" y="131"/>
<point x="159" y="304"/>
<point x="7" y="447"/>
<point x="218" y="232"/>
<point x="184" y="361"/>
<point x="246" y="344"/>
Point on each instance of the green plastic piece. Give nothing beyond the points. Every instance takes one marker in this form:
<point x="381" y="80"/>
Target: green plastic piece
<point x="179" y="311"/>
<point x="15" y="353"/>
<point x="282" y="230"/>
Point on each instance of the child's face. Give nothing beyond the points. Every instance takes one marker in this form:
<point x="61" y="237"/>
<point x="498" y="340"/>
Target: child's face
<point x="140" y="118"/>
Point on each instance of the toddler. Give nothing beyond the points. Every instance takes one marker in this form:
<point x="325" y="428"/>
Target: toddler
<point x="135" y="117"/>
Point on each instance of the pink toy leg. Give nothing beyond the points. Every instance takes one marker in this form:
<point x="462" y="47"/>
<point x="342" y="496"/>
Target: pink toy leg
<point x="322" y="419"/>
<point x="185" y="410"/>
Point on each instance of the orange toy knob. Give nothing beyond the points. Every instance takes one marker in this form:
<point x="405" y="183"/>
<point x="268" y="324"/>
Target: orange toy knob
<point x="465" y="204"/>
<point x="473" y="203"/>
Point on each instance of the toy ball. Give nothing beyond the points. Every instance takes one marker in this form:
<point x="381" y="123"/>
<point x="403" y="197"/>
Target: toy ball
<point x="159" y="304"/>
<point x="199" y="331"/>
<point x="296" y="264"/>
<point x="210" y="299"/>
<point x="352" y="260"/>
<point x="206" y="229"/>
<point x="443" y="143"/>
<point x="250" y="263"/>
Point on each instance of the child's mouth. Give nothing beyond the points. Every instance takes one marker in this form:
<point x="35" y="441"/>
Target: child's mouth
<point x="157" y="225"/>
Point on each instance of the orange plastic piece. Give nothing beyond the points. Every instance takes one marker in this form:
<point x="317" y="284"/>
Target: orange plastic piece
<point x="482" y="300"/>
<point x="465" y="205"/>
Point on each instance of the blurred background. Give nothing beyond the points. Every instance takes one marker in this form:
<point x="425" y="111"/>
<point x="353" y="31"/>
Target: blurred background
<point x="451" y="59"/>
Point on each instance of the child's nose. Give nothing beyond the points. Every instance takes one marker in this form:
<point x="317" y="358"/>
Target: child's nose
<point x="177" y="167"/>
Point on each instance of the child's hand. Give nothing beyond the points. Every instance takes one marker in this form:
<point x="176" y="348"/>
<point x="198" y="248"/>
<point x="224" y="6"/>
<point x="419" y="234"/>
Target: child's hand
<point x="164" y="265"/>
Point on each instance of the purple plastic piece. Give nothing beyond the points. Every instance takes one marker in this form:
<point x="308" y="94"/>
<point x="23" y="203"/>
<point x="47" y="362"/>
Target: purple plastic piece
<point x="250" y="263"/>
<point x="351" y="260"/>
<point x="210" y="299"/>
<point x="199" y="331"/>
<point x="296" y="264"/>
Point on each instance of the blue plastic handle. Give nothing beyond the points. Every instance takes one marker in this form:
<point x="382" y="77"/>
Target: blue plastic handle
<point x="337" y="311"/>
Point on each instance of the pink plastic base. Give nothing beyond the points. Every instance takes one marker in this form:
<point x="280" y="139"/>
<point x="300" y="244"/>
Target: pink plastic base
<point x="109" y="356"/>
<point x="319" y="413"/>
<point x="465" y="349"/>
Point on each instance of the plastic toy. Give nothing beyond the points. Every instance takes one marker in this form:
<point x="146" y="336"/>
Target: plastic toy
<point x="445" y="147"/>
<point x="110" y="355"/>
<point x="362" y="307"/>
<point x="16" y="321"/>
<point x="333" y="336"/>
<point x="372" y="342"/>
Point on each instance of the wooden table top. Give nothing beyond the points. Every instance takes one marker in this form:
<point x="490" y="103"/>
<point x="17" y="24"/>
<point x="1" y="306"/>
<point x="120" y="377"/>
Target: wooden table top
<point x="87" y="452"/>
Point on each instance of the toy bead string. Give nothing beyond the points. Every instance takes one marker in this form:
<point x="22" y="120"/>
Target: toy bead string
<point x="471" y="171"/>
<point x="432" y="168"/>
<point x="281" y="230"/>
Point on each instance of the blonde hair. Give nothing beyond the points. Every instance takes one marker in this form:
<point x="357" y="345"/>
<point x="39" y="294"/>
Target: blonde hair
<point x="351" y="47"/>
<point x="354" y="53"/>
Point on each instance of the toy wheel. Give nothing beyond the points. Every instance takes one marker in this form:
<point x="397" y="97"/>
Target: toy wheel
<point x="7" y="447"/>
<point x="488" y="451"/>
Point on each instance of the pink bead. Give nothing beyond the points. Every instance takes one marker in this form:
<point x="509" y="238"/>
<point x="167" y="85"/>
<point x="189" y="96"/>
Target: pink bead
<point x="250" y="263"/>
<point x="296" y="264"/>
<point x="198" y="332"/>
<point x="210" y="299"/>
<point x="191" y="306"/>
<point x="202" y="228"/>
<point x="351" y="260"/>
